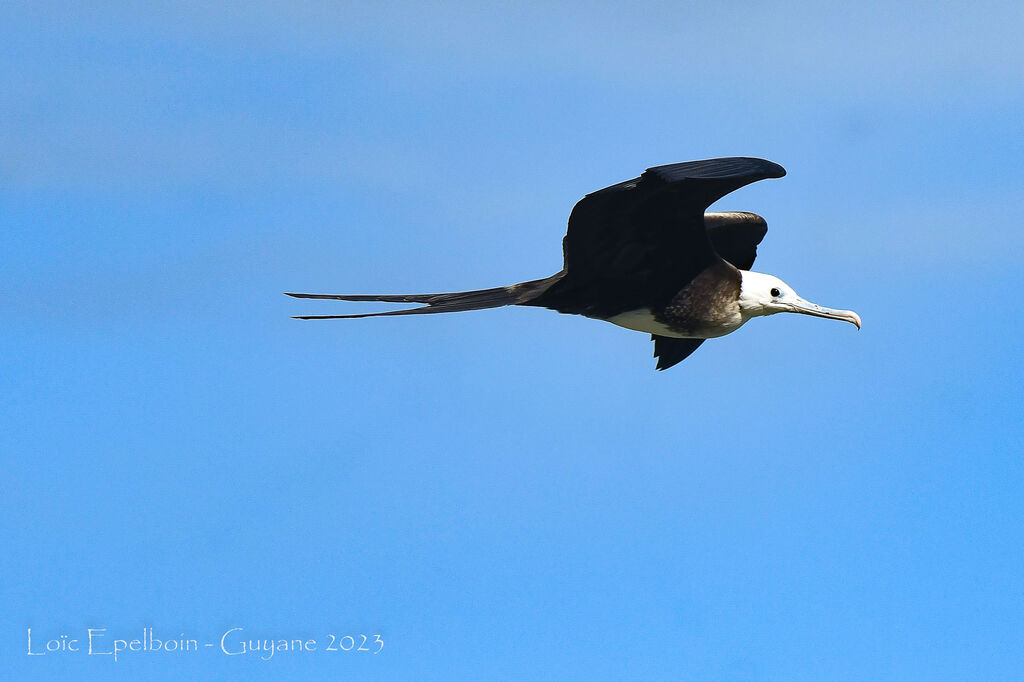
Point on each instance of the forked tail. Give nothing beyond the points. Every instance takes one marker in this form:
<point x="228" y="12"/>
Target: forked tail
<point x="453" y="302"/>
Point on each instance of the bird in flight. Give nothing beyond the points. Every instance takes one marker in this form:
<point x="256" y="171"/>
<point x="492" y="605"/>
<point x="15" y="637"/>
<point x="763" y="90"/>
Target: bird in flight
<point x="644" y="255"/>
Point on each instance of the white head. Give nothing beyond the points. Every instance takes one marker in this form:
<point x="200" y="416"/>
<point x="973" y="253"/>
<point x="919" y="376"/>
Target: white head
<point x="762" y="294"/>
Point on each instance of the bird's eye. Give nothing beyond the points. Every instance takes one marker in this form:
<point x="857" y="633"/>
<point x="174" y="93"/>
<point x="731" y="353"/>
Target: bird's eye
<point x="775" y="292"/>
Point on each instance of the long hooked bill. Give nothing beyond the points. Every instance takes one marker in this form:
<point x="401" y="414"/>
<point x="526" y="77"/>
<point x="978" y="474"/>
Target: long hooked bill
<point x="808" y="308"/>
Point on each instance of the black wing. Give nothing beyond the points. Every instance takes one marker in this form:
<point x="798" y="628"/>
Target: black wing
<point x="735" y="236"/>
<point x="638" y="243"/>
<point x="671" y="351"/>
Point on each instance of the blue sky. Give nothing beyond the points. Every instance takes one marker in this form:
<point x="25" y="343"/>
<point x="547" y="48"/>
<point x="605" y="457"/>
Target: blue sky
<point x="508" y="494"/>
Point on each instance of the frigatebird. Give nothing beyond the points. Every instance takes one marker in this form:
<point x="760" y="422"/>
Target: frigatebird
<point x="644" y="255"/>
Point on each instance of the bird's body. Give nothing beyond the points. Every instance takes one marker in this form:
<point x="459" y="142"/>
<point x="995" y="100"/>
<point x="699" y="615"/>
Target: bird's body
<point x="643" y="255"/>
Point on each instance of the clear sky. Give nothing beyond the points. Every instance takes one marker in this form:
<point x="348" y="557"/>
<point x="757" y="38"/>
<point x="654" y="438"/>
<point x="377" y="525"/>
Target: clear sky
<point x="509" y="494"/>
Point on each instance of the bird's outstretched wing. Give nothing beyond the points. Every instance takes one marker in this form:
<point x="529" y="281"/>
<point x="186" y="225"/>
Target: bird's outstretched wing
<point x="670" y="351"/>
<point x="640" y="242"/>
<point x="735" y="236"/>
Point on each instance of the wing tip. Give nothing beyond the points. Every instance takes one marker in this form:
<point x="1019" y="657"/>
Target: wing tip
<point x="722" y="167"/>
<point x="777" y="170"/>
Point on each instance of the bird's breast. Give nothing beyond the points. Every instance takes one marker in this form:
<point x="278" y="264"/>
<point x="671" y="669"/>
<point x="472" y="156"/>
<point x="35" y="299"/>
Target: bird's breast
<point x="708" y="306"/>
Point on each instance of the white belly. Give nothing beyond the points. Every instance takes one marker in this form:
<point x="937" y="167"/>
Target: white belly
<point x="642" y="320"/>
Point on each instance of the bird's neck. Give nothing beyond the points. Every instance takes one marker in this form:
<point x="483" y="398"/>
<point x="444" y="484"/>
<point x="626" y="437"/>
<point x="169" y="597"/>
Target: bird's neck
<point x="751" y="298"/>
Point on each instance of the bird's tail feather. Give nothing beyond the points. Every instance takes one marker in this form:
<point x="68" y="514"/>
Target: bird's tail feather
<point x="453" y="302"/>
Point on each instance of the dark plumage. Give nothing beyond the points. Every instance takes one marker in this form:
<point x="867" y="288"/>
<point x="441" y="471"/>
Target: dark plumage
<point x="642" y="254"/>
